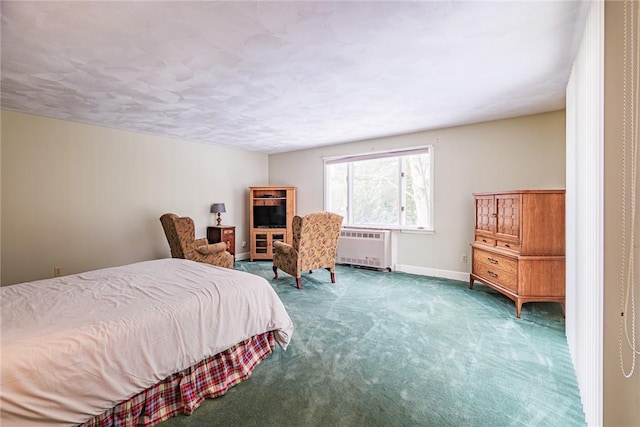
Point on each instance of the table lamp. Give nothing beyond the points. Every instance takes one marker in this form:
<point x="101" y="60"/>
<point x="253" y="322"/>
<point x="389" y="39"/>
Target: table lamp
<point x="218" y="208"/>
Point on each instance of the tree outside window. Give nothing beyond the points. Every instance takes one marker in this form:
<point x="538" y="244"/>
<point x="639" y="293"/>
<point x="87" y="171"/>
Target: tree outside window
<point x="382" y="190"/>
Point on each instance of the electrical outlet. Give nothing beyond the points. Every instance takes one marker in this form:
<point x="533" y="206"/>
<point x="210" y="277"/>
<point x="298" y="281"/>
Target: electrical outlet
<point x="464" y="258"/>
<point x="57" y="271"/>
<point x="244" y="244"/>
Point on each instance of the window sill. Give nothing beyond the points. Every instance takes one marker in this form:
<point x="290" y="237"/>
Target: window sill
<point x="392" y="228"/>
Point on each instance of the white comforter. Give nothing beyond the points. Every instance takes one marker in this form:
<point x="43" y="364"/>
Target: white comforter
<point x="74" y="346"/>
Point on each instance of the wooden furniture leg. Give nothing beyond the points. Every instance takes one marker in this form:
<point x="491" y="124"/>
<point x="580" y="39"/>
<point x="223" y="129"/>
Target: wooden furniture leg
<point x="518" y="307"/>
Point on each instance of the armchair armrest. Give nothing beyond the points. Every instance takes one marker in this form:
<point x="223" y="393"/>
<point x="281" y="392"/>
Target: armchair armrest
<point x="284" y="248"/>
<point x="212" y="249"/>
<point x="200" y="242"/>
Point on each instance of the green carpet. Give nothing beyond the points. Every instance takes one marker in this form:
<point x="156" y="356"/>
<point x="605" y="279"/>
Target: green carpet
<point x="394" y="349"/>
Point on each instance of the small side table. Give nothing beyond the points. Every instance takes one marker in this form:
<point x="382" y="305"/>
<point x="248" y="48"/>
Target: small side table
<point x="223" y="233"/>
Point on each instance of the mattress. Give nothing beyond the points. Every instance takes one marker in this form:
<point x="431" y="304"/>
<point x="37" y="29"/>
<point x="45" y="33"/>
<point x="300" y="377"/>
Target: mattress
<point x="75" y="346"/>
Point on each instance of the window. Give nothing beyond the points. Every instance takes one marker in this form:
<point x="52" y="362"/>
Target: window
<point x="386" y="190"/>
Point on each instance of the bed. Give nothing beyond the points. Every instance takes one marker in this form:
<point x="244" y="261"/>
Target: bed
<point x="134" y="344"/>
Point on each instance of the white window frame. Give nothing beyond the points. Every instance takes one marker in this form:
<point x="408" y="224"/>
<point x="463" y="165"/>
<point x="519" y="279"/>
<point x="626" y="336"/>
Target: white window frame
<point x="426" y="149"/>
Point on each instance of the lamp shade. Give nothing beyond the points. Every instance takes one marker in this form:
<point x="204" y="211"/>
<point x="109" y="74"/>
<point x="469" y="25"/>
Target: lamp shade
<point x="218" y="208"/>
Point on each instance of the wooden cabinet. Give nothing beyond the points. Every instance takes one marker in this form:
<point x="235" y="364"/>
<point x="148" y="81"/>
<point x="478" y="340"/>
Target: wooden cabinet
<point x="271" y="210"/>
<point x="223" y="233"/>
<point x="519" y="245"/>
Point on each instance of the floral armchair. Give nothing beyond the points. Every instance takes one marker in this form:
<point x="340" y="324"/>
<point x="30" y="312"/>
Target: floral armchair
<point x="180" y="232"/>
<point x="315" y="243"/>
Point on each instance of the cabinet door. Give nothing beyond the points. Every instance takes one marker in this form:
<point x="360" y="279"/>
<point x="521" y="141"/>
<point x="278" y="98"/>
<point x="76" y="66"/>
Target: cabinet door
<point x="508" y="213"/>
<point x="260" y="243"/>
<point x="485" y="217"/>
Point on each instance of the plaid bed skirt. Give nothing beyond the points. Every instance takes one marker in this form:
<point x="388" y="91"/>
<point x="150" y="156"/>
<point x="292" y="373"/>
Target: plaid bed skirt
<point x="185" y="391"/>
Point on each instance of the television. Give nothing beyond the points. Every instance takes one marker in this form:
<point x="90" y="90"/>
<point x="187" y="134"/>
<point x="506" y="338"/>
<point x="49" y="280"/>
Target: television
<point x="270" y="216"/>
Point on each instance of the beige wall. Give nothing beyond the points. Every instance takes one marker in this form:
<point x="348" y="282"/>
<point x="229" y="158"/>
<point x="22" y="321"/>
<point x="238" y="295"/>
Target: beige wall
<point x="85" y="197"/>
<point x="0" y="199"/>
<point x="520" y="153"/>
<point x="621" y="398"/>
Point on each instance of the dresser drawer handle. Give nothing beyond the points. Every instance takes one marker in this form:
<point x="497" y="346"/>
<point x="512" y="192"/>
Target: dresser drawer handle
<point x="506" y="245"/>
<point x="484" y="240"/>
<point x="492" y="261"/>
<point x="492" y="274"/>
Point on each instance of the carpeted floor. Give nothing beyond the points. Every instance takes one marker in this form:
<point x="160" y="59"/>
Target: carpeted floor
<point x="394" y="349"/>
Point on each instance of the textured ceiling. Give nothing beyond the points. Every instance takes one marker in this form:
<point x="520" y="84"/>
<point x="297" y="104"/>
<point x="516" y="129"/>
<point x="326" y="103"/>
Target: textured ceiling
<point x="281" y="76"/>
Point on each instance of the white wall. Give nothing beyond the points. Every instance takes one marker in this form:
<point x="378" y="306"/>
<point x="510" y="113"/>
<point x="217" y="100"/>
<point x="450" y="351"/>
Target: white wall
<point x="84" y="197"/>
<point x="584" y="201"/>
<point x="520" y="153"/>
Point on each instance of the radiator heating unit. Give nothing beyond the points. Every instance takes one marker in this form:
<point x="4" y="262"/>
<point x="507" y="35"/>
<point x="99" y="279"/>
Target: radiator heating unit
<point x="366" y="248"/>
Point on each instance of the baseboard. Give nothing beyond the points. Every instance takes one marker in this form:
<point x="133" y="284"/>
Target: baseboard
<point x="433" y="272"/>
<point x="411" y="269"/>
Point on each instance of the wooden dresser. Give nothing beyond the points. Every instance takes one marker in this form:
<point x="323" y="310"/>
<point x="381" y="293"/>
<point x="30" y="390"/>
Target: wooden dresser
<point x="519" y="245"/>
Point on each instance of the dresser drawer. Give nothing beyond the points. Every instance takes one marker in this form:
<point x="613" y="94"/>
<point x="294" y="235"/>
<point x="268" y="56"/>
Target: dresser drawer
<point x="506" y="280"/>
<point x="508" y="245"/>
<point x="495" y="261"/>
<point x="496" y="268"/>
<point x="485" y="240"/>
